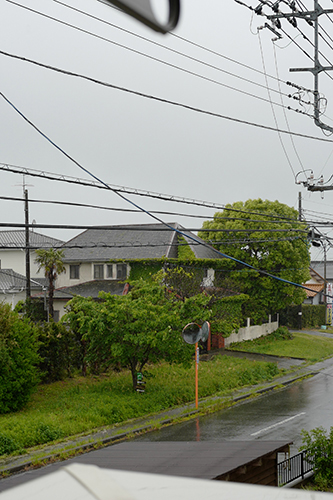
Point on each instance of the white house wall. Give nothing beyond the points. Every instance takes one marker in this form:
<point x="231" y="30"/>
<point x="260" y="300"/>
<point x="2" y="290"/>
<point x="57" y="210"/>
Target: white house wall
<point x="12" y="298"/>
<point x="86" y="274"/>
<point x="15" y="259"/>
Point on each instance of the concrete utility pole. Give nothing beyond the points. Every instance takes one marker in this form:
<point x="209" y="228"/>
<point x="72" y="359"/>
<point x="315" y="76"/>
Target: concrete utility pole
<point x="312" y="17"/>
<point x="27" y="245"/>
<point x="300" y="206"/>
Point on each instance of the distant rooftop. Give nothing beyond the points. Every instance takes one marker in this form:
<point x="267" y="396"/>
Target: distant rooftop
<point x="319" y="267"/>
<point x="139" y="241"/>
<point x="13" y="281"/>
<point x="90" y="289"/>
<point x="16" y="239"/>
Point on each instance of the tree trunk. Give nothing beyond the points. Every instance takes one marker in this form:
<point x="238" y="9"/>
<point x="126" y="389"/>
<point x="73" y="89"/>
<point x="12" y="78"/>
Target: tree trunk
<point x="51" y="294"/>
<point x="134" y="374"/>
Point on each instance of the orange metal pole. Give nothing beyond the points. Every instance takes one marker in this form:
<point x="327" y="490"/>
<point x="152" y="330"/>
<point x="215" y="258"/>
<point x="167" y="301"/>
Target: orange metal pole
<point x="196" y="374"/>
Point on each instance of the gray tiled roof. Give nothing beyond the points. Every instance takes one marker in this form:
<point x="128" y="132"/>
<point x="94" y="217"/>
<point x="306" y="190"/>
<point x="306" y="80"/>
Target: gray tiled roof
<point x="202" y="251"/>
<point x="16" y="239"/>
<point x="141" y="241"/>
<point x="13" y="281"/>
<point x="90" y="289"/>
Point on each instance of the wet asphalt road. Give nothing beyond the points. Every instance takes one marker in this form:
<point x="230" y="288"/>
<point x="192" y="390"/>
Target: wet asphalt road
<point x="279" y="415"/>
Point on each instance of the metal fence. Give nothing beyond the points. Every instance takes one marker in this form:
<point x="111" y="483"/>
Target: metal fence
<point x="293" y="468"/>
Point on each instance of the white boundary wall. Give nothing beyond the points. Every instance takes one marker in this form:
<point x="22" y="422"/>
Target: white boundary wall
<point x="252" y="332"/>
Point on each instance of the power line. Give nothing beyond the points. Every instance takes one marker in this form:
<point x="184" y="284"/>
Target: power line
<point x="134" y="191"/>
<point x="272" y="107"/>
<point x="166" y="101"/>
<point x="156" y="59"/>
<point x="154" y="217"/>
<point x="166" y="227"/>
<point x="131" y="244"/>
<point x="285" y="115"/>
<point x="180" y="214"/>
<point x="200" y="61"/>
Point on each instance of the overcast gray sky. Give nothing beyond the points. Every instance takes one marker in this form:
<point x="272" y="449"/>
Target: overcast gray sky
<point x="132" y="141"/>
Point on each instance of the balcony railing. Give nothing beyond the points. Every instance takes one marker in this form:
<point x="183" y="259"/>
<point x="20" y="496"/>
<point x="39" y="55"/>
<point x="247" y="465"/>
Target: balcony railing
<point x="293" y="468"/>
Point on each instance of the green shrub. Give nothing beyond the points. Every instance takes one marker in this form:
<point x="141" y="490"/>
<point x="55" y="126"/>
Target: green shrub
<point x="7" y="444"/>
<point x="46" y="433"/>
<point x="18" y="360"/>
<point x="318" y="445"/>
<point x="312" y="316"/>
<point x="282" y="333"/>
<point x="59" y="350"/>
<point x="32" y="309"/>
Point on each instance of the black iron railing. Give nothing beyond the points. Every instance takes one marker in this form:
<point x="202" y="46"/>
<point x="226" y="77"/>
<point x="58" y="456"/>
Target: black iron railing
<point x="293" y="468"/>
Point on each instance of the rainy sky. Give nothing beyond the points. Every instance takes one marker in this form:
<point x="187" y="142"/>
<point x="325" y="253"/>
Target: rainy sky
<point x="187" y="115"/>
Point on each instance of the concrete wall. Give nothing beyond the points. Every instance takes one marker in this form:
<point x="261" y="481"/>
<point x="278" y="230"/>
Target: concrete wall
<point x="251" y="332"/>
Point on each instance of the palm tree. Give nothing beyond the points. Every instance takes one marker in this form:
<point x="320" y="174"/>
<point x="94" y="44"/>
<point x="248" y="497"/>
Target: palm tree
<point x="52" y="262"/>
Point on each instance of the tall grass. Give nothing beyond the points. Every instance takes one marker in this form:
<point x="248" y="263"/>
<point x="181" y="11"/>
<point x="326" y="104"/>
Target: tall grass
<point x="81" y="404"/>
<point x="309" y="347"/>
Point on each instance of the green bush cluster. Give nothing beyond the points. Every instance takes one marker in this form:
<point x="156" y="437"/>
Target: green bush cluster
<point x="313" y="316"/>
<point x="60" y="351"/>
<point x="18" y="359"/>
<point x="7" y="444"/>
<point x="282" y="333"/>
<point x="318" y="445"/>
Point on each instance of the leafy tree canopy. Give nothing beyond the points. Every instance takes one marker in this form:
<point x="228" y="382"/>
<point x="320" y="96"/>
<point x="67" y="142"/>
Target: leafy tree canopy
<point x="143" y="326"/>
<point x="282" y="253"/>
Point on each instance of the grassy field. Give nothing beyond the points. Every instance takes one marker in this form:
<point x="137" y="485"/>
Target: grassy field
<point x="309" y="347"/>
<point x="81" y="404"/>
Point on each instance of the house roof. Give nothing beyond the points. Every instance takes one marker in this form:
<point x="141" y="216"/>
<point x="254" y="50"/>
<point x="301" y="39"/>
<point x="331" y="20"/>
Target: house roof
<point x="199" y="459"/>
<point x="16" y="239"/>
<point x="140" y="241"/>
<point x="316" y="288"/>
<point x="319" y="267"/>
<point x="11" y="281"/>
<point x="90" y="289"/>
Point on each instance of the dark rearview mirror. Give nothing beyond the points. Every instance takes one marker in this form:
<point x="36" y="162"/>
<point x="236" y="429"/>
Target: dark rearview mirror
<point x="161" y="15"/>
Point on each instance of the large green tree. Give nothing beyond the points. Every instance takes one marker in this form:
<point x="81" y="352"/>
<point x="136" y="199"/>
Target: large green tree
<point x="268" y="236"/>
<point x="51" y="261"/>
<point x="129" y="331"/>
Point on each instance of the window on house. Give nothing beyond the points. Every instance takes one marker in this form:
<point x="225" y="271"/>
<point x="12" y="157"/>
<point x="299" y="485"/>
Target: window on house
<point x="74" y="272"/>
<point x="121" y="271"/>
<point x="109" y="271"/>
<point x="98" y="271"/>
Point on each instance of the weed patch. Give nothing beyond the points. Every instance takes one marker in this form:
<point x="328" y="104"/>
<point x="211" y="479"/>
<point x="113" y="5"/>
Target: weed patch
<point x="83" y="404"/>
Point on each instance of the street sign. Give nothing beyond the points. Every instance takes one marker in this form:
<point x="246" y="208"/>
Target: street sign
<point x="143" y="10"/>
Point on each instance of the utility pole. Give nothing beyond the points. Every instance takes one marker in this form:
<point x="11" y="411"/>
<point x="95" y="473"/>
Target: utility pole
<point x="27" y="245"/>
<point x="311" y="17"/>
<point x="300" y="206"/>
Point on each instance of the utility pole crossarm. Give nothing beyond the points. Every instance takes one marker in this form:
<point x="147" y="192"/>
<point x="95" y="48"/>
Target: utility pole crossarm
<point x="314" y="70"/>
<point x="320" y="188"/>
<point x="310" y="15"/>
